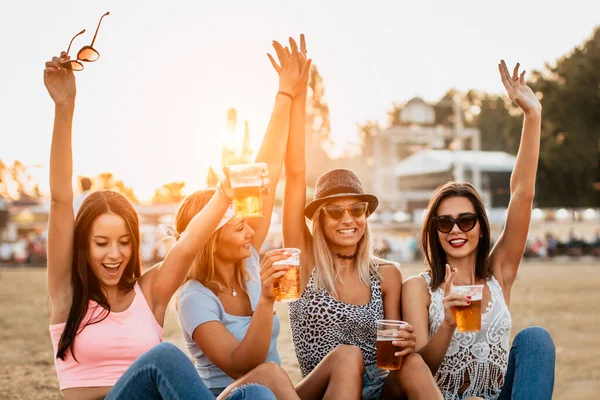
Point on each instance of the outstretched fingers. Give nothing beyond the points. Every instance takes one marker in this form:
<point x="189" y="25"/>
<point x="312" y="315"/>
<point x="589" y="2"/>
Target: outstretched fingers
<point x="274" y="63"/>
<point x="305" y="71"/>
<point x="515" y="75"/>
<point x="504" y="73"/>
<point x="281" y="54"/>
<point x="293" y="45"/>
<point x="449" y="280"/>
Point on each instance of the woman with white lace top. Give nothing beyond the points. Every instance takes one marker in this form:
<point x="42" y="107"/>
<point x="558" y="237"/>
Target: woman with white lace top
<point x="456" y="233"/>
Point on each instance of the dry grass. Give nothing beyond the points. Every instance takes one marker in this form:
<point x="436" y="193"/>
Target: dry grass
<point x="563" y="298"/>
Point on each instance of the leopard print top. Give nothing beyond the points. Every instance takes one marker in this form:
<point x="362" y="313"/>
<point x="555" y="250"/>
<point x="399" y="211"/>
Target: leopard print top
<point x="320" y="323"/>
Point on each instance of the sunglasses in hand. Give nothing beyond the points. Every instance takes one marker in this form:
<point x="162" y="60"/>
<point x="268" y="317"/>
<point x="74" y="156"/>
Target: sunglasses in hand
<point x="87" y="53"/>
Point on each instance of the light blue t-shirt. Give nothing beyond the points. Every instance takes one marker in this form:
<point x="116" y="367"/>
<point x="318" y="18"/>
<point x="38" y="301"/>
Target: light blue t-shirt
<point x="198" y="305"/>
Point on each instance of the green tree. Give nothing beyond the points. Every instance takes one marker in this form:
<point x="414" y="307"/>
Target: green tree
<point x="109" y="182"/>
<point x="499" y="121"/>
<point x="169" y="193"/>
<point x="125" y="191"/>
<point x="569" y="168"/>
<point x="318" y="127"/>
<point x="106" y="180"/>
<point x="3" y="179"/>
<point x="212" y="179"/>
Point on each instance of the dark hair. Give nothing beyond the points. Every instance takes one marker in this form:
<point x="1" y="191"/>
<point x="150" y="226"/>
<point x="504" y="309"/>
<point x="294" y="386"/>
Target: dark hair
<point x="85" y="285"/>
<point x="430" y="242"/>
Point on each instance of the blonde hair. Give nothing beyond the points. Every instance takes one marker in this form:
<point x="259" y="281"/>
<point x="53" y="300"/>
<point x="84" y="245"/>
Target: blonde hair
<point x="203" y="266"/>
<point x="326" y="262"/>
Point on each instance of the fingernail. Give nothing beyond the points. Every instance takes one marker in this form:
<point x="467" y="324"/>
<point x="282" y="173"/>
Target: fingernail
<point x="468" y="302"/>
<point x="397" y="354"/>
<point x="282" y="251"/>
<point x="395" y="335"/>
<point x="469" y="297"/>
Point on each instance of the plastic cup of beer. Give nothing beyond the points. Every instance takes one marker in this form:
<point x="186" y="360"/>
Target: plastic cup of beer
<point x="247" y="183"/>
<point x="287" y="288"/>
<point x="386" y="351"/>
<point x="468" y="318"/>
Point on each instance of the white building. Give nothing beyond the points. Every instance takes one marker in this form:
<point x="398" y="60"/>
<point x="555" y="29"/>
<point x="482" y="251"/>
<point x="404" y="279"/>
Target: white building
<point x="425" y="146"/>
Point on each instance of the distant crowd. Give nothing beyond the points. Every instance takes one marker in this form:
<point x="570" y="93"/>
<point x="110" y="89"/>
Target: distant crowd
<point x="30" y="249"/>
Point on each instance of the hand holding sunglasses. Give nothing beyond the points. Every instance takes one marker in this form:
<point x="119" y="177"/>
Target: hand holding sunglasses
<point x="445" y="223"/>
<point x="86" y="54"/>
<point x="355" y="210"/>
<point x="60" y="82"/>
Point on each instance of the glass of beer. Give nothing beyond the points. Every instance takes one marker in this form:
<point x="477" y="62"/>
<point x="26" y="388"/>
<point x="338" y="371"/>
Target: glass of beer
<point x="468" y="318"/>
<point x="287" y="288"/>
<point x="386" y="351"/>
<point x="247" y="182"/>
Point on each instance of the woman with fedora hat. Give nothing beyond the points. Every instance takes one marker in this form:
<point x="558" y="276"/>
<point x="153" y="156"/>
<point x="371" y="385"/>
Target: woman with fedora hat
<point x="345" y="288"/>
<point x="226" y="306"/>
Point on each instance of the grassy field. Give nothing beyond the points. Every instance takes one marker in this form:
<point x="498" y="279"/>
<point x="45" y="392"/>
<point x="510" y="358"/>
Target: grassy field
<point x="564" y="298"/>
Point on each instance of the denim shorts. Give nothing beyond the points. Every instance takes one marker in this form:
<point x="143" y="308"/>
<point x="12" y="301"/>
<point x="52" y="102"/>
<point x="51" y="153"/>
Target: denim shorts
<point x="373" y="379"/>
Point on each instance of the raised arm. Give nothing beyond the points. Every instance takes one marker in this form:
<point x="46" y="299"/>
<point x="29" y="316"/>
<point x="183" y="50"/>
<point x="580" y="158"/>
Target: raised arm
<point x="168" y="276"/>
<point x="292" y="82"/>
<point x="295" y="231"/>
<point x="60" y="84"/>
<point x="509" y="249"/>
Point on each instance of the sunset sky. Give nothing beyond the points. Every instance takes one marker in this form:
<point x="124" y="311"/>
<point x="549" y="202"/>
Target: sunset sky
<point x="153" y="108"/>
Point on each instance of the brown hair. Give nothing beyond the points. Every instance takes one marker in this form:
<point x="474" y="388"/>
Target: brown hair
<point x="203" y="267"/>
<point x="430" y="242"/>
<point x="85" y="285"/>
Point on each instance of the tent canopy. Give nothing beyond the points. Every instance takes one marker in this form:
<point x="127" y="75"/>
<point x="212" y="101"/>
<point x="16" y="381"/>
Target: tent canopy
<point x="436" y="161"/>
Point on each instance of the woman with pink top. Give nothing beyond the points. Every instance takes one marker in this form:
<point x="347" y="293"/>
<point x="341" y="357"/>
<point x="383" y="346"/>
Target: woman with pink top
<point x="106" y="316"/>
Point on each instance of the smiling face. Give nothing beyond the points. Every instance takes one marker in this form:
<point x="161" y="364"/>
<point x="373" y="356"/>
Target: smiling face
<point x="343" y="234"/>
<point x="235" y="242"/>
<point x="456" y="243"/>
<point x="110" y="248"/>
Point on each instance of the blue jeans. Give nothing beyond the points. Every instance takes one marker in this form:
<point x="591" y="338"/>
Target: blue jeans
<point x="373" y="380"/>
<point x="531" y="362"/>
<point x="165" y="372"/>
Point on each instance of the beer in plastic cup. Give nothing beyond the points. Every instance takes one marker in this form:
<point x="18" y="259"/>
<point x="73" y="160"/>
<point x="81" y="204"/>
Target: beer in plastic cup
<point x="287" y="288"/>
<point x="468" y="318"/>
<point x="247" y="183"/>
<point x="386" y="351"/>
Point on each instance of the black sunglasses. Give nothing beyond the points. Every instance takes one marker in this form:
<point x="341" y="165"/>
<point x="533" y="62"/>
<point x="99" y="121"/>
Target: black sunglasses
<point x="356" y="210"/>
<point x="445" y="223"/>
<point x="87" y="53"/>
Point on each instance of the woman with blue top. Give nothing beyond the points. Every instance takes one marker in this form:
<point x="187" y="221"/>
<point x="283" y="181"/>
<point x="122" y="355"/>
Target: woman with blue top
<point x="226" y="306"/>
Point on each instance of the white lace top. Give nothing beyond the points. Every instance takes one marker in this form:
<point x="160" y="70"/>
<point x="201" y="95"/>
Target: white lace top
<point x="482" y="355"/>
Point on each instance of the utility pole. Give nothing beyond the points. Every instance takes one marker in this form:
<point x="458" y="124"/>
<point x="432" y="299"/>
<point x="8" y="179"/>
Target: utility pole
<point x="460" y="134"/>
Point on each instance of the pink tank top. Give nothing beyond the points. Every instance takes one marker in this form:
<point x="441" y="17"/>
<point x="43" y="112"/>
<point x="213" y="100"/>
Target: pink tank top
<point x="106" y="349"/>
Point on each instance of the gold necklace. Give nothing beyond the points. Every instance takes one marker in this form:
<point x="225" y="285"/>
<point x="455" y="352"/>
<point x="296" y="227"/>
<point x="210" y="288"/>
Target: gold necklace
<point x="233" y="292"/>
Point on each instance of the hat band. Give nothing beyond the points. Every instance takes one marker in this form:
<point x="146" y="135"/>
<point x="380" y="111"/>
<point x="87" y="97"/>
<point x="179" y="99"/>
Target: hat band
<point x="338" y="190"/>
